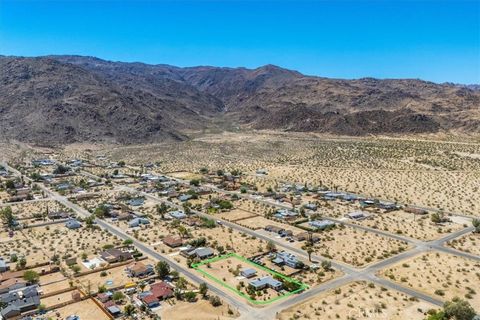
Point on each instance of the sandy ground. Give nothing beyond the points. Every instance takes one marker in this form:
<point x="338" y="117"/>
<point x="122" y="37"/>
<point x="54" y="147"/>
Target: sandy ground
<point x="421" y="172"/>
<point x="261" y="222"/>
<point x="469" y="243"/>
<point x="356" y="247"/>
<point x="117" y="276"/>
<point x="439" y="274"/>
<point x="200" y="310"/>
<point x="86" y="309"/>
<point x="235" y="215"/>
<point x="418" y="227"/>
<point x="57" y="299"/>
<point x="224" y="270"/>
<point x="359" y="301"/>
<point x="61" y="241"/>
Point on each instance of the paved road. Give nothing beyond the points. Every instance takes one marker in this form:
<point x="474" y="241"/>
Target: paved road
<point x="351" y="274"/>
<point x="239" y="304"/>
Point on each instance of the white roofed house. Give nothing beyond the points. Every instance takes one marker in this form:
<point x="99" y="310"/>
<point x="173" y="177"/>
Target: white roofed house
<point x="266" y="282"/>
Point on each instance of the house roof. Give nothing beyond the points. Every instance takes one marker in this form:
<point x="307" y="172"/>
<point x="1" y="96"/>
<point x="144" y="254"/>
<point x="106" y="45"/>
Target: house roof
<point x="172" y="240"/>
<point x="161" y="290"/>
<point x="10" y="310"/>
<point x="203" y="252"/>
<point x="321" y="223"/>
<point x="73" y="224"/>
<point x="248" y="271"/>
<point x="149" y="299"/>
<point x="114" y="309"/>
<point x="137" y="267"/>
<point x="115" y="253"/>
<point x="177" y="214"/>
<point x="12" y="281"/>
<point x="267" y="280"/>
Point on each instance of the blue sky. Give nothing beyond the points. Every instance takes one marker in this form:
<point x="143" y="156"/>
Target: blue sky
<point x="431" y="40"/>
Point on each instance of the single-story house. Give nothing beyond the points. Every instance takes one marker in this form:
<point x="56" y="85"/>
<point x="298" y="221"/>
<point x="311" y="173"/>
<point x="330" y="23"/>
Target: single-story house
<point x="3" y="265"/>
<point x="73" y="224"/>
<point x="248" y="272"/>
<point x="201" y="253"/>
<point x="114" y="310"/>
<point x="321" y="224"/>
<point x="387" y="205"/>
<point x="184" y="197"/>
<point x="139" y="269"/>
<point x="150" y="301"/>
<point x="310" y="206"/>
<point x="415" y="210"/>
<point x="274" y="229"/>
<point x="104" y="297"/>
<point x="137" y="222"/>
<point x="285" y="258"/>
<point x="71" y="261"/>
<point x="10" y="311"/>
<point x="53" y="215"/>
<point x="306" y="236"/>
<point x="266" y="282"/>
<point x="115" y="255"/>
<point x="178" y="214"/>
<point x="172" y="241"/>
<point x="286" y="233"/>
<point x="12" y="284"/>
<point x="285" y="214"/>
<point x="136" y="202"/>
<point x="357" y="215"/>
<point x="19" y="300"/>
<point x="161" y="290"/>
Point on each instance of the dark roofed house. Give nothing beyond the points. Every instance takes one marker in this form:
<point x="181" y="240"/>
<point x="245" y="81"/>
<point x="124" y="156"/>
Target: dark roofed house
<point x="172" y="241"/>
<point x="10" y="311"/>
<point x="12" y="284"/>
<point x="201" y="253"/>
<point x="274" y="229"/>
<point x="114" y="310"/>
<point x="415" y="210"/>
<point x="53" y="215"/>
<point x="357" y="215"/>
<point x="204" y="253"/>
<point x="115" y="255"/>
<point x="19" y="300"/>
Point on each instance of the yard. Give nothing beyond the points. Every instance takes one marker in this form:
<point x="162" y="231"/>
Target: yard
<point x="441" y="275"/>
<point x="359" y="300"/>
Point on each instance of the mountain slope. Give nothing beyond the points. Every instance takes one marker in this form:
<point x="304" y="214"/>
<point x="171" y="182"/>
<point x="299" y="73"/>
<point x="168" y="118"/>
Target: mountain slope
<point x="45" y="101"/>
<point x="275" y="98"/>
<point x="65" y="99"/>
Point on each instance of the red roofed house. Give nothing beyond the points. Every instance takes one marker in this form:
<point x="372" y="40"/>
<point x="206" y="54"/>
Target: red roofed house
<point x="161" y="290"/>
